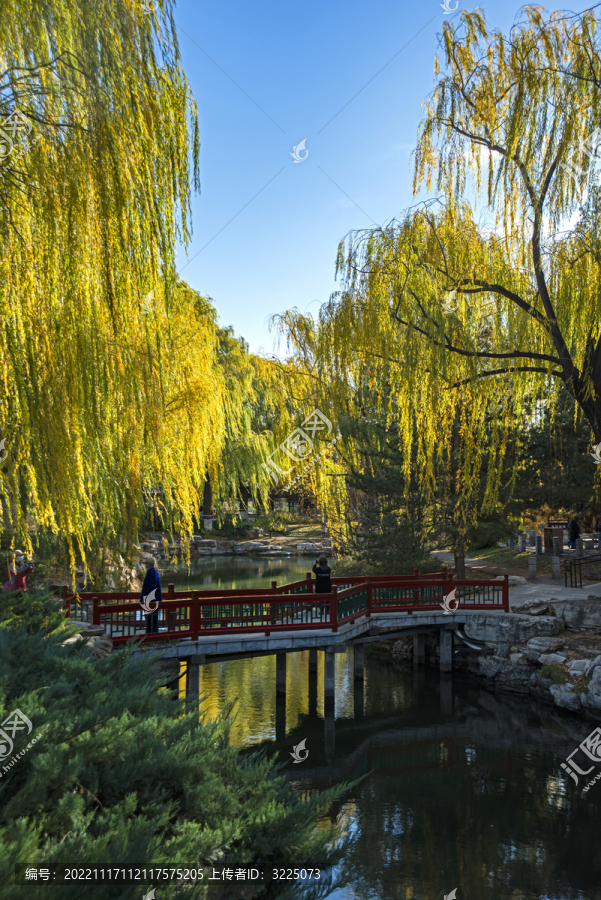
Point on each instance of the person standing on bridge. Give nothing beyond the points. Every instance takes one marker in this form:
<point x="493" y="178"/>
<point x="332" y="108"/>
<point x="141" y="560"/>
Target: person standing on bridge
<point x="322" y="571"/>
<point x="151" y="593"/>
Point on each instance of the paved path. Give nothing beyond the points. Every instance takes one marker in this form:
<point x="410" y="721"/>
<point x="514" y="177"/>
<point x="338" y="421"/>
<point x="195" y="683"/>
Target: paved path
<point x="543" y="589"/>
<point x="551" y="591"/>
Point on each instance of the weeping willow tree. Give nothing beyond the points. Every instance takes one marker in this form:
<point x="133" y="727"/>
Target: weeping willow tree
<point x="112" y="382"/>
<point x="489" y="297"/>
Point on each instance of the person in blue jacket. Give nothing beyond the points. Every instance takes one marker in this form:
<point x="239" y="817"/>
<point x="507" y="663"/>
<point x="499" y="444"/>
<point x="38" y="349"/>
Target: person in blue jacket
<point x="151" y="594"/>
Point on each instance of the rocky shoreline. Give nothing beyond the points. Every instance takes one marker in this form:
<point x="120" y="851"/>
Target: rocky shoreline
<point x="172" y="552"/>
<point x="199" y="546"/>
<point x="549" y="650"/>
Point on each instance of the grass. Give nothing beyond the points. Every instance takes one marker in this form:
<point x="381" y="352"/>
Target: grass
<point x="511" y="559"/>
<point x="555" y="673"/>
<point x="581" y="684"/>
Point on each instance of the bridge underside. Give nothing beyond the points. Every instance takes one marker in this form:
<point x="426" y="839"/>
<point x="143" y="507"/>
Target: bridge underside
<point x="383" y="626"/>
<point x="363" y="630"/>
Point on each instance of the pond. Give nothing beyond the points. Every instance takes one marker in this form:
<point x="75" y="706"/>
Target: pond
<point x="462" y="790"/>
<point x="238" y="572"/>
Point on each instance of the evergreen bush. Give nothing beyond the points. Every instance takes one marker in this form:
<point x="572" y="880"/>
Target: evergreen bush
<point x="124" y="774"/>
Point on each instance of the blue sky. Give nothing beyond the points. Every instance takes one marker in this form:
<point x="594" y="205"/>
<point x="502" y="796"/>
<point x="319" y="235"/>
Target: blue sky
<point x="299" y="65"/>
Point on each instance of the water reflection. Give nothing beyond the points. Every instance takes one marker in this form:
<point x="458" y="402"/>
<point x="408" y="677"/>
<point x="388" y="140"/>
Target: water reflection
<point x="237" y="572"/>
<point x="463" y="785"/>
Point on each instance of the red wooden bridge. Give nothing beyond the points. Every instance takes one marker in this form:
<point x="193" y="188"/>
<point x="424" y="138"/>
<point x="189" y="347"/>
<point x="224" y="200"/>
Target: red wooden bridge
<point x="289" y="608"/>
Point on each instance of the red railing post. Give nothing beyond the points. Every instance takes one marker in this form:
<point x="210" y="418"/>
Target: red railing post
<point x="274" y="587"/>
<point x="195" y="616"/>
<point x="506" y="593"/>
<point x="309" y="585"/>
<point x="334" y="608"/>
<point x="95" y="611"/>
<point x="416" y="572"/>
<point x="369" y="597"/>
<point x="171" y="592"/>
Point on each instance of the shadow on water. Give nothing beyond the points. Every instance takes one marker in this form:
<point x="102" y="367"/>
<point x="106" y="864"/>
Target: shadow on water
<point x="464" y="786"/>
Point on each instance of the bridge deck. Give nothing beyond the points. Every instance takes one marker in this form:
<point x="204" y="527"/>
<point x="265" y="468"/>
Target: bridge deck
<point x="288" y="641"/>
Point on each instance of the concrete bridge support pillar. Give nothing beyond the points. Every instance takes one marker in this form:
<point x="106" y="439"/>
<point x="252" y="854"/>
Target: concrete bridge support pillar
<point x="312" y="693"/>
<point x="329" y="729"/>
<point x="280" y="717"/>
<point x="329" y="676"/>
<point x="280" y="673"/>
<point x="419" y="649"/>
<point x="359" y="660"/>
<point x="446" y="650"/>
<point x="193" y="674"/>
<point x="313" y="661"/>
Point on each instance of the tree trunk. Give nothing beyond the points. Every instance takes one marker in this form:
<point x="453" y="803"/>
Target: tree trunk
<point x="459" y="552"/>
<point x="207" y="505"/>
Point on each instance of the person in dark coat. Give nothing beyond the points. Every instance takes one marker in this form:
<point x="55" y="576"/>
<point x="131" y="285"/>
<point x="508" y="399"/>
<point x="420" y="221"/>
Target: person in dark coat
<point x="573" y="532"/>
<point x="322" y="571"/>
<point x="151" y="594"/>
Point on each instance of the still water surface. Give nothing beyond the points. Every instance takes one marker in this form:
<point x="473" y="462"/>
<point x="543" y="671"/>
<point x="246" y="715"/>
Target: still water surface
<point x="463" y="789"/>
<point x="237" y="572"/>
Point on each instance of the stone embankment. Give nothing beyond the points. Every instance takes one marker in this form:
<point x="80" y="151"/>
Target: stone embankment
<point x="539" y="650"/>
<point x="200" y="547"/>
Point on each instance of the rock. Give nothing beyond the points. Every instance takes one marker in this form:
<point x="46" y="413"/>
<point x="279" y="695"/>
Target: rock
<point x="250" y="547"/>
<point x="576" y="667"/>
<point x="518" y="659"/>
<point x="592" y="664"/>
<point x="579" y="615"/>
<point x="509" y="627"/>
<point x="218" y="551"/>
<point x="594" y="689"/>
<point x="511" y="676"/>
<point x="551" y="659"/>
<point x="531" y="607"/>
<point x="306" y="548"/>
<point x="200" y="542"/>
<point x="91" y="630"/>
<point x="103" y="646"/>
<point x="564" y="698"/>
<point x="545" y="644"/>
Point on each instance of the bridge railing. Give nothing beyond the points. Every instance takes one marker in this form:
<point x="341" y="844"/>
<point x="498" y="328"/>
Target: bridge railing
<point x="411" y="595"/>
<point x="195" y="616"/>
<point x="195" y="613"/>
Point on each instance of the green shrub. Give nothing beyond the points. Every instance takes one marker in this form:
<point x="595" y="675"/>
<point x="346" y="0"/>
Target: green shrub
<point x="582" y="683"/>
<point x="555" y="673"/>
<point x="124" y="774"/>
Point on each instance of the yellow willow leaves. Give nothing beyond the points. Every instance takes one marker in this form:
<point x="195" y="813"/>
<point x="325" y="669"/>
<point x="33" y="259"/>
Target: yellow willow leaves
<point x="113" y="377"/>
<point x="506" y="115"/>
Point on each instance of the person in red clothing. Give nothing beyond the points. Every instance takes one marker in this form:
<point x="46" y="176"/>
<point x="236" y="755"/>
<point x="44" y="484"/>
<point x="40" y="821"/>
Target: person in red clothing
<point x="19" y="567"/>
